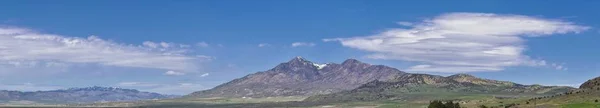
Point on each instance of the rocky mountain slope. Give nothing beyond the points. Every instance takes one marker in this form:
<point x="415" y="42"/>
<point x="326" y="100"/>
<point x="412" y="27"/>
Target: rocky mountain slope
<point x="354" y="80"/>
<point x="300" y="77"/>
<point x="80" y="95"/>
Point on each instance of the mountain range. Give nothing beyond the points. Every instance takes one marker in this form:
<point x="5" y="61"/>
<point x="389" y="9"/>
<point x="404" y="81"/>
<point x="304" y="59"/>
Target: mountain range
<point x="300" y="77"/>
<point x="355" y="80"/>
<point x="79" y="95"/>
<point x="352" y="80"/>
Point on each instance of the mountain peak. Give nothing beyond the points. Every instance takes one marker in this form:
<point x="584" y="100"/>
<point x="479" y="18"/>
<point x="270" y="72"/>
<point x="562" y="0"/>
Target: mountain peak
<point x="299" y="59"/>
<point x="295" y="65"/>
<point x="351" y="61"/>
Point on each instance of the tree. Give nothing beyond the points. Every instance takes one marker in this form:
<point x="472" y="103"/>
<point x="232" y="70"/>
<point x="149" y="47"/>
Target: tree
<point x="456" y="105"/>
<point x="449" y="104"/>
<point x="440" y="104"/>
<point x="435" y="104"/>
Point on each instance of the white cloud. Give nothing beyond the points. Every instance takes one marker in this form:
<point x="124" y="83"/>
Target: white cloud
<point x="204" y="75"/>
<point x="403" y="23"/>
<point x="202" y="44"/>
<point x="264" y="45"/>
<point x="559" y="66"/>
<point x="150" y="44"/>
<point x="28" y="87"/>
<point x="173" y="73"/>
<point x="299" y="44"/>
<point x="177" y="88"/>
<point x="27" y="46"/>
<point x="462" y="42"/>
<point x="138" y="84"/>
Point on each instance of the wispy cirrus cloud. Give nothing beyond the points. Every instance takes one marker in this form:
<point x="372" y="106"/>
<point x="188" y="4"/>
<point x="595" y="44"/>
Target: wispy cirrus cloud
<point x="138" y="84"/>
<point x="462" y="42"/>
<point x="202" y="44"/>
<point x="28" y="87"/>
<point x="204" y="75"/>
<point x="264" y="45"/>
<point x="404" y="23"/>
<point x="174" y="73"/>
<point x="20" y="46"/>
<point x="301" y="44"/>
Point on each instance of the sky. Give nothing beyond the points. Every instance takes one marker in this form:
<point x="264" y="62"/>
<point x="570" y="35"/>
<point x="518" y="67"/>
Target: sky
<point x="182" y="46"/>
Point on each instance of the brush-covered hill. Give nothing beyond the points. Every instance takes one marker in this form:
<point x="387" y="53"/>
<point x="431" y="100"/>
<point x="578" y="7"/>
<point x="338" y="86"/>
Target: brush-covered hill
<point x="587" y="96"/>
<point x="300" y="77"/>
<point x="426" y="87"/>
<point x="78" y="95"/>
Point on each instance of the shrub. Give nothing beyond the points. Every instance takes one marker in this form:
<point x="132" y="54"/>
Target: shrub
<point x="440" y="104"/>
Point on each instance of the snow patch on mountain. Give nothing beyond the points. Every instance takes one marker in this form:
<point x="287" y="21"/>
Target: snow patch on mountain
<point x="319" y="66"/>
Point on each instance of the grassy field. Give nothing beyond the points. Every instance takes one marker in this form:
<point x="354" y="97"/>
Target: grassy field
<point x="581" y="105"/>
<point x="409" y="100"/>
<point x="406" y="100"/>
<point x="587" y="98"/>
<point x="413" y="100"/>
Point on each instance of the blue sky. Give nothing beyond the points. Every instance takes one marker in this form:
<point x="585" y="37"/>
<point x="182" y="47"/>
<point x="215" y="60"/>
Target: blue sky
<point x="177" y="47"/>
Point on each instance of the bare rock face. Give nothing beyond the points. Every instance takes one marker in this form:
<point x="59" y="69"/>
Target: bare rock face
<point x="300" y="77"/>
<point x="591" y="84"/>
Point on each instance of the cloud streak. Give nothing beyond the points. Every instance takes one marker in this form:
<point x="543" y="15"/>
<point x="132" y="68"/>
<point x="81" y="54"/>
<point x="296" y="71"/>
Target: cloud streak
<point x="27" y="46"/>
<point x="174" y="73"/>
<point x="202" y="44"/>
<point x="28" y="87"/>
<point x="204" y="75"/>
<point x="462" y="42"/>
<point x="301" y="44"/>
<point x="264" y="45"/>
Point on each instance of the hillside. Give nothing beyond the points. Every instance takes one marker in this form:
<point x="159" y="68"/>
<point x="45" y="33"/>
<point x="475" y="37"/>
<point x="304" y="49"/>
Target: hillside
<point x="300" y="77"/>
<point x="78" y="95"/>
<point x="426" y="87"/>
<point x="587" y="96"/>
